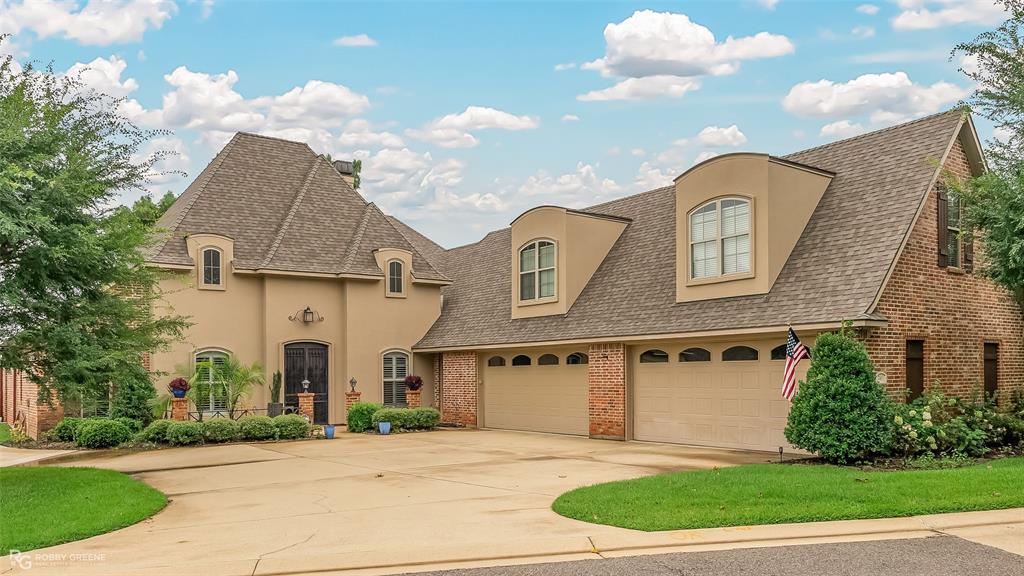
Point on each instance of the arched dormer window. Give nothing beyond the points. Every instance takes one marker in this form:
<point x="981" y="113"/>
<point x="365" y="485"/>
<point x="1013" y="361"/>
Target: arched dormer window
<point x="211" y="273"/>
<point x="396" y="278"/>
<point x="720" y="238"/>
<point x="537" y="270"/>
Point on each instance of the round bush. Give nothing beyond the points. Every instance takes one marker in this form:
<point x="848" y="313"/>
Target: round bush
<point x="66" y="429"/>
<point x="221" y="430"/>
<point x="841" y="412"/>
<point x="257" y="427"/>
<point x="184" y="433"/>
<point x="102" y="433"/>
<point x="292" y="427"/>
<point x="360" y="416"/>
<point x="135" y="426"/>
<point x="156" y="432"/>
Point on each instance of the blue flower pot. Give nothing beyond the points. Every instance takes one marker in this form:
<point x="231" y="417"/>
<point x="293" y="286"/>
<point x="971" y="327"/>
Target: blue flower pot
<point x="384" y="427"/>
<point x="178" y="393"/>
<point x="329" y="431"/>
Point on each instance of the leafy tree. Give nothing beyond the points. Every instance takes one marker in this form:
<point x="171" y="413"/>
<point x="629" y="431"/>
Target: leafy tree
<point x="147" y="211"/>
<point x="75" y="297"/>
<point x="357" y="167"/>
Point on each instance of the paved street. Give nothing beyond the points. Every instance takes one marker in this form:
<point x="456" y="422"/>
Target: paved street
<point x="935" y="556"/>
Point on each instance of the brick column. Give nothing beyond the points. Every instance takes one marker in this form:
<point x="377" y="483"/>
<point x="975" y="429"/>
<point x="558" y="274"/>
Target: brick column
<point x="412" y="398"/>
<point x="606" y="379"/>
<point x="459" y="384"/>
<point x="179" y="408"/>
<point x="306" y="404"/>
<point x="351" y="398"/>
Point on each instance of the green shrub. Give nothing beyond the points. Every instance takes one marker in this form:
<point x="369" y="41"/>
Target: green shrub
<point x="841" y="412"/>
<point x="360" y="416"/>
<point x="133" y="397"/>
<point x="292" y="427"/>
<point x="131" y="424"/>
<point x="257" y="427"/>
<point x="184" y="433"/>
<point x="66" y="429"/>
<point x="220" y="430"/>
<point x="940" y="425"/>
<point x="155" y="432"/>
<point x="102" y="433"/>
<point x="408" y="418"/>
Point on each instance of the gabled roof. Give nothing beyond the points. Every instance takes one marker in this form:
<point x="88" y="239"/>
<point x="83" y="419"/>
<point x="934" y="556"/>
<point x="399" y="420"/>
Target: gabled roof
<point x="834" y="273"/>
<point x="287" y="209"/>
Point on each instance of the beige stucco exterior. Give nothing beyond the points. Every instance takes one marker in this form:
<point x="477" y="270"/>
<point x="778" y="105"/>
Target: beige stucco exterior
<point x="782" y="198"/>
<point x="582" y="241"/>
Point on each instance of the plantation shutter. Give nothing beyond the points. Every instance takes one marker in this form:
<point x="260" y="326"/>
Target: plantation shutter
<point x="218" y="394"/>
<point x="968" y="252"/>
<point x="389" y="377"/>
<point x="401" y="371"/>
<point x="943" y="226"/>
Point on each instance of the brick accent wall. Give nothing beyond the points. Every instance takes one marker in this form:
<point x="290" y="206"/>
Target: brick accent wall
<point x="955" y="313"/>
<point x="437" y="380"/>
<point x="21" y="405"/>
<point x="606" y="378"/>
<point x="413" y="398"/>
<point x="350" y="399"/>
<point x="459" y="388"/>
<point x="179" y="409"/>
<point x="306" y="404"/>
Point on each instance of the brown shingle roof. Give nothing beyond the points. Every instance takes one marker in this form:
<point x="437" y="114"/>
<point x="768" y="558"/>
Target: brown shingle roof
<point x="834" y="272"/>
<point x="287" y="209"/>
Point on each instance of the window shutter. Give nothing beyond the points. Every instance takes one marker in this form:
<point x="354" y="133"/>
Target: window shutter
<point x="943" y="226"/>
<point x="968" y="252"/>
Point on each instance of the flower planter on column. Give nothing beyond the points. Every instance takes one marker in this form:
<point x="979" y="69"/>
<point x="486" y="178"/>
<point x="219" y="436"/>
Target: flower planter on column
<point x="412" y="398"/>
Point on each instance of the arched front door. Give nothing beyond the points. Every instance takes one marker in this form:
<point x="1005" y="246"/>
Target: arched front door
<point x="306" y="361"/>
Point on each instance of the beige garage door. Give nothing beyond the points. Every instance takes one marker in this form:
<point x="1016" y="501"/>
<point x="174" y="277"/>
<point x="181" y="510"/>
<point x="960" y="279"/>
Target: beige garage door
<point x="709" y="401"/>
<point x="536" y="397"/>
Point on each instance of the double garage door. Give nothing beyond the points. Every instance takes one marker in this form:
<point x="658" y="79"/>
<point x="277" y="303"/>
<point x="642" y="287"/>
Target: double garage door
<point x="540" y="391"/>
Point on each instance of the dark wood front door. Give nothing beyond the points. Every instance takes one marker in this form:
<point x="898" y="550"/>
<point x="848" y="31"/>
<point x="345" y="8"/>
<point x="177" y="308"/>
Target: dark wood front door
<point x="306" y="361"/>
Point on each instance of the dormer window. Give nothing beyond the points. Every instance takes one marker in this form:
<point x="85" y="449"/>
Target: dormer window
<point x="720" y="238"/>
<point x="396" y="278"/>
<point x="537" y="270"/>
<point x="211" y="272"/>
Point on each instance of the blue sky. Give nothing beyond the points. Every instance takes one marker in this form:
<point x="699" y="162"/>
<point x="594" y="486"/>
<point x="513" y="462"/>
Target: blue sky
<point x="465" y="114"/>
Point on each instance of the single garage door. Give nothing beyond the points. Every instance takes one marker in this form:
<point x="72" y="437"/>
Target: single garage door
<point x="726" y="395"/>
<point x="539" y="391"/>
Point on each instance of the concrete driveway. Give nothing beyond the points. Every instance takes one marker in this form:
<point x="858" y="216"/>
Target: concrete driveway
<point x="363" y="501"/>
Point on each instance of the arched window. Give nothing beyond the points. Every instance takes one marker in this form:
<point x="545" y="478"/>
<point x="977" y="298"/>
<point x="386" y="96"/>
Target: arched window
<point x="396" y="278"/>
<point x="211" y="267"/>
<point x="537" y="270"/>
<point x="211" y="394"/>
<point x="521" y="360"/>
<point x="547" y="360"/>
<point x="779" y="352"/>
<point x="496" y="361"/>
<point x="695" y="355"/>
<point x="737" y="353"/>
<point x="720" y="238"/>
<point x="396" y="368"/>
<point x="654" y="355"/>
<point x="577" y="358"/>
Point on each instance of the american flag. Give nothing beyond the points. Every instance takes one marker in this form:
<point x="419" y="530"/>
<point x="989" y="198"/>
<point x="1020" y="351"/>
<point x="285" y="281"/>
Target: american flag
<point x="795" y="352"/>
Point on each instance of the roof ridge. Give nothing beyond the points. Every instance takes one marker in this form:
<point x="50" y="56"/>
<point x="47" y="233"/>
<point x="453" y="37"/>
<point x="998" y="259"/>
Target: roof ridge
<point x="602" y="204"/>
<point x="357" y="237"/>
<point x="872" y="133"/>
<point x="275" y="138"/>
<point x="291" y="212"/>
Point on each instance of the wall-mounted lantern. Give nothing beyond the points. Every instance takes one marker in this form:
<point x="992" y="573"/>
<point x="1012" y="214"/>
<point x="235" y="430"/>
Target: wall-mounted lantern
<point x="306" y="316"/>
<point x="305" y="385"/>
<point x="353" y="383"/>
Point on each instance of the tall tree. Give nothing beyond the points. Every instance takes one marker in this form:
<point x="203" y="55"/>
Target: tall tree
<point x="76" y="298"/>
<point x="148" y="211"/>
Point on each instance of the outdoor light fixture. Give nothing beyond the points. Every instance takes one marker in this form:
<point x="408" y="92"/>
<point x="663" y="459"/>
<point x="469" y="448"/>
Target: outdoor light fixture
<point x="306" y="316"/>
<point x="305" y="385"/>
<point x="353" y="383"/>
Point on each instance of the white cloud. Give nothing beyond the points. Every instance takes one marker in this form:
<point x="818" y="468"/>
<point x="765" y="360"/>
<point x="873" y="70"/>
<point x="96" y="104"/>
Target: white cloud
<point x="900" y="56"/>
<point x="570" y="118"/>
<point x="924" y="14"/>
<point x="638" y="152"/>
<point x="715" y="136"/>
<point x="1002" y="134"/>
<point x="454" y="130"/>
<point x="969" y="64"/>
<point x="358" y="134"/>
<point x="357" y="41"/>
<point x="649" y="176"/>
<point x="768" y="4"/>
<point x="863" y="31"/>
<point x="104" y="75"/>
<point x="574" y="189"/>
<point x="888" y="97"/>
<point x="841" y="129"/>
<point x="565" y="66"/>
<point x="705" y="155"/>
<point x="647" y="88"/>
<point x="99" y="22"/>
<point x="869" y="9"/>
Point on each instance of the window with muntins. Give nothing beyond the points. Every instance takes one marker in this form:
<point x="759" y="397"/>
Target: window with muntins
<point x="537" y="270"/>
<point x="211" y="396"/>
<point x="953" y="229"/>
<point x="396" y="279"/>
<point x="396" y="368"/>
<point x="211" y="267"/>
<point x="720" y="238"/>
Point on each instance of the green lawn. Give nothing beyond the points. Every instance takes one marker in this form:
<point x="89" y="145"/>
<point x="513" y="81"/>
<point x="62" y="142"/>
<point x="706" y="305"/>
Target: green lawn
<point x="42" y="506"/>
<point x="5" y="432"/>
<point x="779" y="493"/>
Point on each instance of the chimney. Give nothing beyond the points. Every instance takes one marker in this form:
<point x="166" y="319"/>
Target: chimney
<point x="344" y="167"/>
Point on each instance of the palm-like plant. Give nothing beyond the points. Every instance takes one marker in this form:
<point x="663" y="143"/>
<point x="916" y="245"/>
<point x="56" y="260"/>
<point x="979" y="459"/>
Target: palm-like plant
<point x="238" y="380"/>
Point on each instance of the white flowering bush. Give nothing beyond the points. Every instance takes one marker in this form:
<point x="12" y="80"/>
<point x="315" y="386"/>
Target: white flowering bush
<point x="936" y="424"/>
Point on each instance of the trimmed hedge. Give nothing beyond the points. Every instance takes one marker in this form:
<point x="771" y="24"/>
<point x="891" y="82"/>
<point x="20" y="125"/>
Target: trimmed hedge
<point x="102" y="433"/>
<point x="133" y="425"/>
<point x="422" y="418"/>
<point x="155" y="432"/>
<point x="292" y="427"/>
<point x="360" y="416"/>
<point x="221" y="430"/>
<point x="66" y="429"/>
<point x="257" y="427"/>
<point x="184" y="433"/>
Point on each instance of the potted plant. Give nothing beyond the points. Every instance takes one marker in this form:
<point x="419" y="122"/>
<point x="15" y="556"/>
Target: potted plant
<point x="329" y="431"/>
<point x="412" y="396"/>
<point x="413" y="382"/>
<point x="178" y="387"/>
<point x="275" y="407"/>
<point x="384" y="427"/>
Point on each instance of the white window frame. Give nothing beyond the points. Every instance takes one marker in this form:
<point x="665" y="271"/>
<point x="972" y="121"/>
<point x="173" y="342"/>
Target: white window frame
<point x="537" y="297"/>
<point x="401" y="277"/>
<point x="219" y="285"/>
<point x="213" y="403"/>
<point x="396" y="381"/>
<point x="719" y="241"/>
<point x="954" y="231"/>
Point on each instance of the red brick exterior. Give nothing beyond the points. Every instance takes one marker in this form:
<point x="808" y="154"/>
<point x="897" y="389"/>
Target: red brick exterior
<point x="606" y="378"/>
<point x="21" y="407"/>
<point x="954" y="312"/>
<point x="412" y="398"/>
<point x="306" y="404"/>
<point x="351" y="398"/>
<point x="459" y="388"/>
<point x="179" y="409"/>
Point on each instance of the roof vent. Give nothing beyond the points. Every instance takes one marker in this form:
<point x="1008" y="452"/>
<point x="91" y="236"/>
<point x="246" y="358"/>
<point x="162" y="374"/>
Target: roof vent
<point x="344" y="167"/>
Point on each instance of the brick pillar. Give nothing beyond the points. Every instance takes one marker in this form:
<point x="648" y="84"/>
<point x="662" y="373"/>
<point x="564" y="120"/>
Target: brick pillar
<point x="606" y="379"/>
<point x="459" y="384"/>
<point x="179" y="408"/>
<point x="412" y="398"/>
<point x="351" y="398"/>
<point x="437" y="380"/>
<point x="306" y="404"/>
